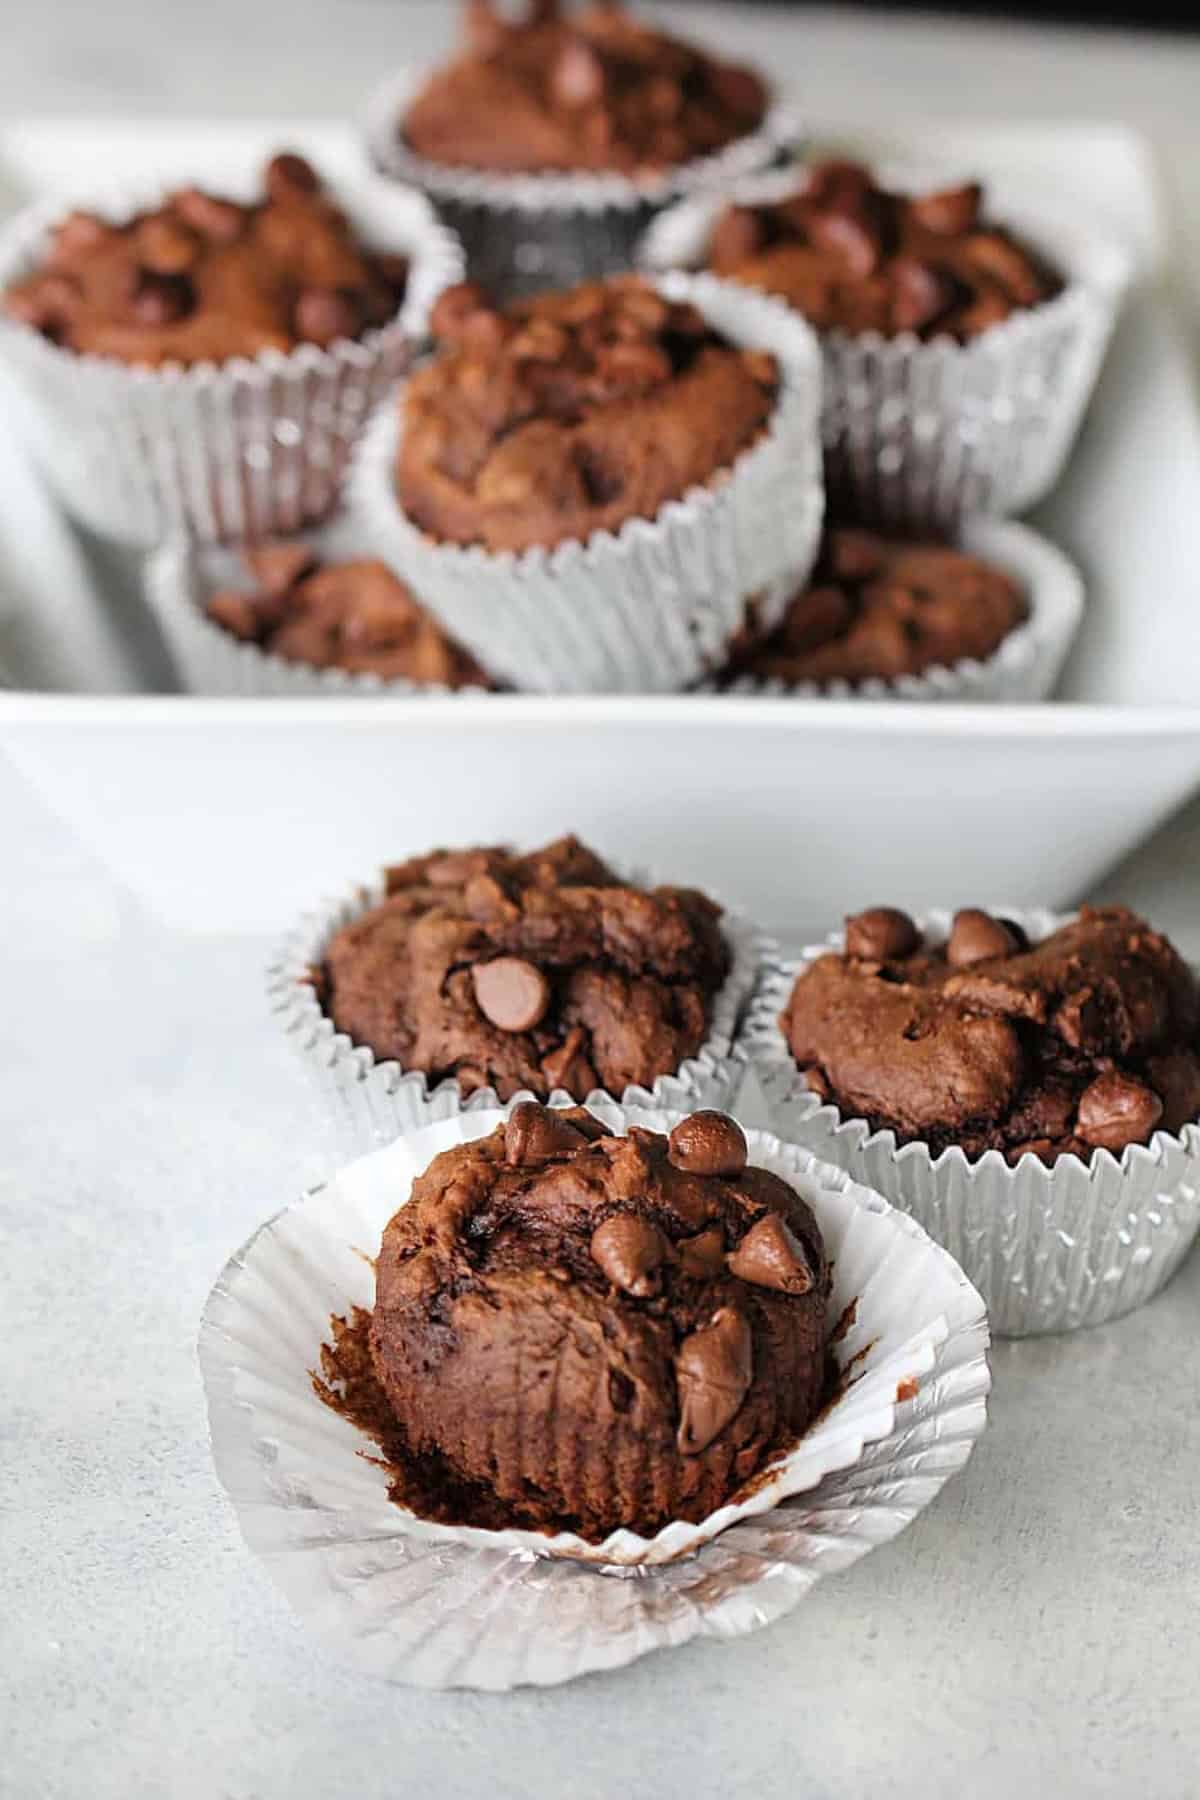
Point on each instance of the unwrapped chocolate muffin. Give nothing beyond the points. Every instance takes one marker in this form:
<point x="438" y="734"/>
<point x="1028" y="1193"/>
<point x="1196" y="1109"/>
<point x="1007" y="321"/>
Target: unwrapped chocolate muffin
<point x="595" y="1332"/>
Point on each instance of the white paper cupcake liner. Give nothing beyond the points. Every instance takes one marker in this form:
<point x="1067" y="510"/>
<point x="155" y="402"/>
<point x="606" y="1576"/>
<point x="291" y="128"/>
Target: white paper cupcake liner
<point x="651" y="607"/>
<point x="1025" y="666"/>
<point x="1050" y="1249"/>
<point x="553" y="230"/>
<point x="181" y="577"/>
<point x="248" y="448"/>
<point x="930" y="434"/>
<point x="373" y="1101"/>
<point x="439" y="1606"/>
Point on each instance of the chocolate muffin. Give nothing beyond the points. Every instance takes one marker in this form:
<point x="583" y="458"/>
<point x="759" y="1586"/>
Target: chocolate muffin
<point x="202" y="279"/>
<point x="353" y="615"/>
<point x="570" y="413"/>
<point x="1085" y="1041"/>
<point x="879" y="608"/>
<point x="590" y="92"/>
<point x="600" y="1332"/>
<point x="853" y="256"/>
<point x="538" y="972"/>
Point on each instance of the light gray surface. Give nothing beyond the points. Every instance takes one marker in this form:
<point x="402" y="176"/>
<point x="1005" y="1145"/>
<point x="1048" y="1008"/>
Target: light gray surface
<point x="1036" y="1631"/>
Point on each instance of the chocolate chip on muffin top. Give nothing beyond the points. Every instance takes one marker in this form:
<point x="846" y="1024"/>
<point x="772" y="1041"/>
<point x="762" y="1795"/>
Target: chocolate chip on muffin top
<point x="571" y="412"/>
<point x="600" y="1331"/>
<point x="853" y="255"/>
<point x="584" y="90"/>
<point x="354" y="615"/>
<point x="542" y="972"/>
<point x="1084" y="1041"/>
<point x="879" y="608"/>
<point x="205" y="279"/>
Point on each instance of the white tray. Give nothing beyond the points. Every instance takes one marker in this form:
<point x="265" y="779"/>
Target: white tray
<point x="240" y="813"/>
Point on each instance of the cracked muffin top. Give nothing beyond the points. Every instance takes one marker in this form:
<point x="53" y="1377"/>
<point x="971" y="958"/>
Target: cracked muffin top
<point x="1084" y="1041"/>
<point x="852" y="255"/>
<point x="598" y="1331"/>
<point x="542" y="972"/>
<point x="578" y="90"/>
<point x="570" y="413"/>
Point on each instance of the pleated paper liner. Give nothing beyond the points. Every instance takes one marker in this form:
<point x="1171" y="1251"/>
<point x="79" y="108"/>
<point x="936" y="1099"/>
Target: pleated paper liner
<point x="437" y="1606"/>
<point x="1049" y="1248"/>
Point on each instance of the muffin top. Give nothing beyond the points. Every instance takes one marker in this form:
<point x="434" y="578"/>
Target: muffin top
<point x="354" y="615"/>
<point x="570" y="413"/>
<point x="591" y="91"/>
<point x="601" y="1331"/>
<point x="1084" y="1041"/>
<point x="851" y="255"/>
<point x="541" y="972"/>
<point x="203" y="279"/>
<point x="880" y="608"/>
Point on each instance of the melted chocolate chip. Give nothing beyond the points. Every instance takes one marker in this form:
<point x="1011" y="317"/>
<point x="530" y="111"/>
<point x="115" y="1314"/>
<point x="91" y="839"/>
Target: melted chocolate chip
<point x="511" y="992"/>
<point x="630" y="1251"/>
<point x="713" y="1370"/>
<point x="534" y="1134"/>
<point x="975" y="936"/>
<point x="708" y="1143"/>
<point x="881" y="934"/>
<point x="1116" y="1110"/>
<point x="771" y="1256"/>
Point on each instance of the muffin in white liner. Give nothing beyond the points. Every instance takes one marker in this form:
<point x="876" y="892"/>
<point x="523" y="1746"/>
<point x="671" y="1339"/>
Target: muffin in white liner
<point x="1049" y="1248"/>
<point x="181" y="576"/>
<point x="553" y="230"/>
<point x="932" y="433"/>
<point x="374" y="1101"/>
<point x="1025" y="666"/>
<point x="440" y="1606"/>
<point x="247" y="448"/>
<point x="651" y="607"/>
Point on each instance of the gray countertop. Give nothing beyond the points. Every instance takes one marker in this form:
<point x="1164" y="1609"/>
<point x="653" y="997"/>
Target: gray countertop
<point x="1035" y="1630"/>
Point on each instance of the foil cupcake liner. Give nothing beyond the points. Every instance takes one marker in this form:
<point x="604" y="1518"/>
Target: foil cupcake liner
<point x="929" y="434"/>
<point x="439" y="1606"/>
<point x="247" y="448"/>
<point x="1050" y="1249"/>
<point x="653" y="606"/>
<point x="179" y="579"/>
<point x="1025" y="666"/>
<point x="374" y="1101"/>
<point x="554" y="230"/>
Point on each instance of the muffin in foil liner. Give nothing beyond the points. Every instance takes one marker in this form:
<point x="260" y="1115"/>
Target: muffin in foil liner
<point x="927" y="434"/>
<point x="1025" y="666"/>
<point x="1049" y="1248"/>
<point x="651" y="607"/>
<point x="248" y="448"/>
<point x="523" y="232"/>
<point x="437" y="1605"/>
<point x="373" y="1101"/>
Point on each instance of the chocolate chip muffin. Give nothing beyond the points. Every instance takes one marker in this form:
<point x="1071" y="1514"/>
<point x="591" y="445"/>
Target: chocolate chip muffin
<point x="352" y="615"/>
<point x="571" y="413"/>
<point x="580" y="92"/>
<point x="853" y="256"/>
<point x="204" y="279"/>
<point x="1085" y="1041"/>
<point x="539" y="972"/>
<point x="879" y="608"/>
<point x="595" y="1331"/>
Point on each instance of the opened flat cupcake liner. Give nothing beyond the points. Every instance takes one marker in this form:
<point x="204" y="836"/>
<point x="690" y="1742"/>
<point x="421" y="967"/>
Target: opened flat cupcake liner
<point x="1025" y="666"/>
<point x="374" y="1100"/>
<point x="651" y="607"/>
<point x="1049" y="1248"/>
<point x="553" y="230"/>
<point x="929" y="434"/>
<point x="181" y="576"/>
<point x="248" y="448"/>
<point x="440" y="1606"/>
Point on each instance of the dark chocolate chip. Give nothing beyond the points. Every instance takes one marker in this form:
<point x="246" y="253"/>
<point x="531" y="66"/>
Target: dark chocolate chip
<point x="713" y="1369"/>
<point x="511" y="992"/>
<point x="770" y="1256"/>
<point x="881" y="934"/>
<point x="1117" y="1109"/>
<point x="975" y="936"/>
<point x="631" y="1252"/>
<point x="708" y="1143"/>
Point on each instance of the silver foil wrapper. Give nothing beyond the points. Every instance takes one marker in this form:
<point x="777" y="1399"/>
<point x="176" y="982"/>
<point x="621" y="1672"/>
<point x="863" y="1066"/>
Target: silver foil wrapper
<point x="652" y="607"/>
<point x="1049" y="1248"/>
<point x="929" y="434"/>
<point x="373" y="1101"/>
<point x="439" y="1606"/>
<point x="248" y="448"/>
<point x="522" y="232"/>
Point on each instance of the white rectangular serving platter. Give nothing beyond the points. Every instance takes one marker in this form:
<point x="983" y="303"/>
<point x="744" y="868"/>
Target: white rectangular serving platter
<point x="236" y="814"/>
